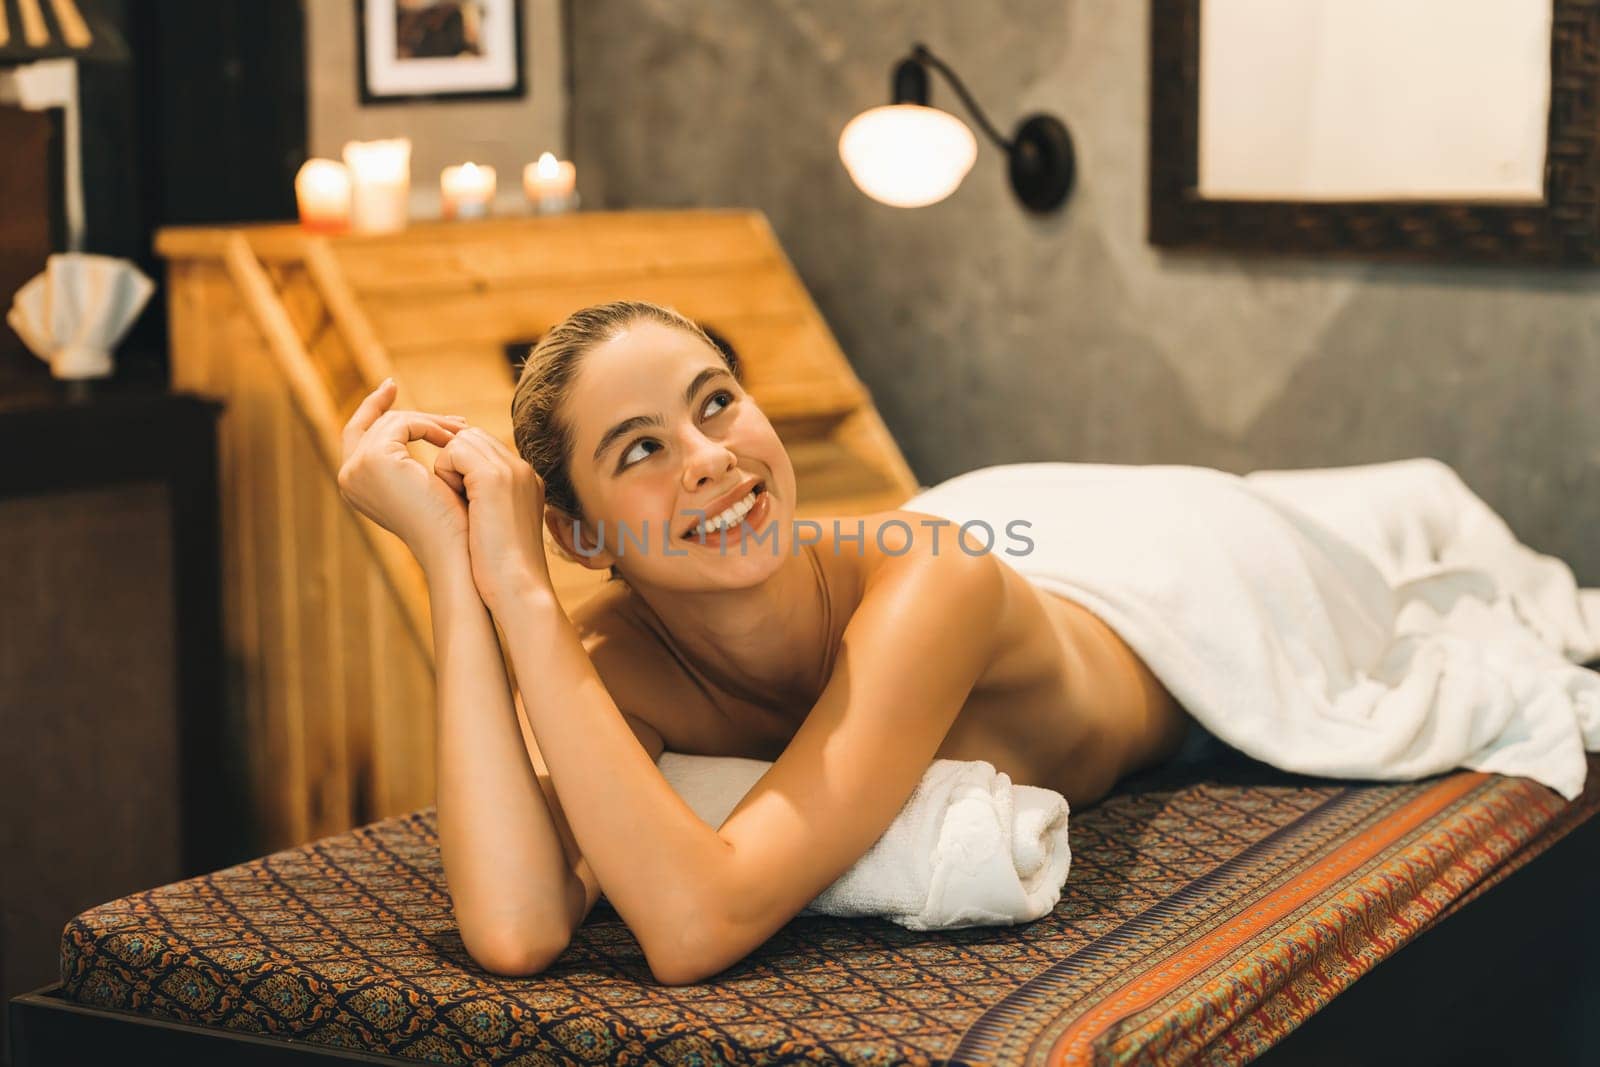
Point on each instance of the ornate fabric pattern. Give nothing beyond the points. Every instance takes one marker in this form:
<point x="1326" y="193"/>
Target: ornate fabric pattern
<point x="1205" y="917"/>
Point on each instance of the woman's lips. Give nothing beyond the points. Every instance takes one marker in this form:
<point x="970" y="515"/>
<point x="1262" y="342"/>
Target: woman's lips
<point x="753" y="519"/>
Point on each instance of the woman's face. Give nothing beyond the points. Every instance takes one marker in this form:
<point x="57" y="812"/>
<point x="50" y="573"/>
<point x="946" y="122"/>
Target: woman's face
<point x="663" y="436"/>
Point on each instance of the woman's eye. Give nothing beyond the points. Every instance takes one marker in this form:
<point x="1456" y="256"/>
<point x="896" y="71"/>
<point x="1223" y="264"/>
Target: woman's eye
<point x="627" y="457"/>
<point x="632" y="455"/>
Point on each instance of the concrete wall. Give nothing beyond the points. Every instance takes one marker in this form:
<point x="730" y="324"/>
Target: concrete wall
<point x="503" y="133"/>
<point x="989" y="336"/>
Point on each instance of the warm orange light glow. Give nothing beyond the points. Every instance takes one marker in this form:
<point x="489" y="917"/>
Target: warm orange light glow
<point x="465" y="192"/>
<point x="907" y="155"/>
<point x="322" y="190"/>
<point x="550" y="184"/>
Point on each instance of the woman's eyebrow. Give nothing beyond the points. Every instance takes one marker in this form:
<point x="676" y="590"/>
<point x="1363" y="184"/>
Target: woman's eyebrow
<point x="628" y="425"/>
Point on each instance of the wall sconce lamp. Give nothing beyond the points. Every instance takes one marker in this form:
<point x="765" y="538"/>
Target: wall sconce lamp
<point x="908" y="154"/>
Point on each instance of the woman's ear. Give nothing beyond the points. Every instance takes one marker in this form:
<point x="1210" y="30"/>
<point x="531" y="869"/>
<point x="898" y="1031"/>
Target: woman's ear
<point x="575" y="542"/>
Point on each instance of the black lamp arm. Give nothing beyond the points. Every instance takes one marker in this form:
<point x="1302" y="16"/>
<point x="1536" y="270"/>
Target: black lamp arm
<point x="1040" y="159"/>
<point x="909" y="87"/>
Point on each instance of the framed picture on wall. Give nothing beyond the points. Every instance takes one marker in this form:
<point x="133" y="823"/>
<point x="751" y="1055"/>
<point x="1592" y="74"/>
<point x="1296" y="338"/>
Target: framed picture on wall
<point x="439" y="50"/>
<point x="1380" y="129"/>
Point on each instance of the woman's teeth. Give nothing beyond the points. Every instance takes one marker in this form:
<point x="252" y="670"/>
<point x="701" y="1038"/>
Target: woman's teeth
<point x="728" y="518"/>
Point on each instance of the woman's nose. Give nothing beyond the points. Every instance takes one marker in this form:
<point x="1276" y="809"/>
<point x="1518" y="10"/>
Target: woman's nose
<point x="707" y="460"/>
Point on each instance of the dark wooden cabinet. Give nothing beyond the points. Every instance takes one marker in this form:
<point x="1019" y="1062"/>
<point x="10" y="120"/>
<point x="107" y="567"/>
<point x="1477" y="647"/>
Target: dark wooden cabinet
<point x="114" y="745"/>
<point x="31" y="220"/>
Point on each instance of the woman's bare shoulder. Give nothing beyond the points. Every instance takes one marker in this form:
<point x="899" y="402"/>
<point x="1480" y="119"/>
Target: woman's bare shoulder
<point x="637" y="667"/>
<point x="608" y="619"/>
<point x="888" y="545"/>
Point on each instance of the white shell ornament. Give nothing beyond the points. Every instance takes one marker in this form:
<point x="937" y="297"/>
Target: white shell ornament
<point x="73" y="314"/>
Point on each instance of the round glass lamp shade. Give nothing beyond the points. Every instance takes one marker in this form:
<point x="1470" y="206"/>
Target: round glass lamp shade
<point x="907" y="155"/>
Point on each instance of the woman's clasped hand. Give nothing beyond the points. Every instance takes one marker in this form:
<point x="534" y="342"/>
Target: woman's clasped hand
<point x="480" y="497"/>
<point x="505" y="515"/>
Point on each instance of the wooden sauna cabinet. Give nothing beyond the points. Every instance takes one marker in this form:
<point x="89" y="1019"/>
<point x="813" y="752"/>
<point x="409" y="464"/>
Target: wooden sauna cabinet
<point x="326" y="615"/>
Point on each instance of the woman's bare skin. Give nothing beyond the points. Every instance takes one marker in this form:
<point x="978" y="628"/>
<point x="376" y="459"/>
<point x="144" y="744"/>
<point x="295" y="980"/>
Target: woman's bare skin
<point x="849" y="667"/>
<point x="1068" y="706"/>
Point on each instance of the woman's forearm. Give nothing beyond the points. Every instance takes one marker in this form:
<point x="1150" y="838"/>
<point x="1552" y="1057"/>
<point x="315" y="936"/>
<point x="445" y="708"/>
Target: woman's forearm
<point x="649" y="850"/>
<point x="515" y="895"/>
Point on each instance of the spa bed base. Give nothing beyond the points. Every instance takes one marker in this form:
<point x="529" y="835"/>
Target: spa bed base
<point x="1510" y="977"/>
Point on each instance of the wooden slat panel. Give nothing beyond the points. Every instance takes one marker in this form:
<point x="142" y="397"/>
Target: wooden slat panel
<point x="190" y="320"/>
<point x="288" y="665"/>
<point x="384" y="652"/>
<point x="865" y="435"/>
<point x="825" y="470"/>
<point x="279" y="779"/>
<point x="507" y="314"/>
<point x="242" y="427"/>
<point x="785" y="349"/>
<point x="786" y="366"/>
<point x="200" y="315"/>
<point x="308" y="395"/>
<point x="469" y="380"/>
<point x="835" y="507"/>
<point x="353" y="640"/>
<point x="556" y="252"/>
<point x="322" y="690"/>
<point x="346" y="385"/>
<point x="371" y="363"/>
<point x="417" y="721"/>
<point x="300" y="301"/>
<point x="402" y="712"/>
<point x="278" y="241"/>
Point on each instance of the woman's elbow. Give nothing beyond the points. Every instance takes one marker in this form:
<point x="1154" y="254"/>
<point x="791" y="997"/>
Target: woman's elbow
<point x="515" y="955"/>
<point x="679" y="972"/>
<point x="700" y="951"/>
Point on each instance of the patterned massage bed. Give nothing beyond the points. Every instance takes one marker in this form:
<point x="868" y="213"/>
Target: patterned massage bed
<point x="1206" y="917"/>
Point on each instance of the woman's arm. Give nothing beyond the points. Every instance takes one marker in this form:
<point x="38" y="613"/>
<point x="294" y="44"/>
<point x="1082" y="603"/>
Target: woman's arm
<point x="515" y="894"/>
<point x="648" y="736"/>
<point x="698" y="900"/>
<point x="519" y="883"/>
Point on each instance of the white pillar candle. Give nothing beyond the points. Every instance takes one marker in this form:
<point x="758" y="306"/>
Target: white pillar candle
<point x="322" y="189"/>
<point x="380" y="177"/>
<point x="549" y="184"/>
<point x="465" y="192"/>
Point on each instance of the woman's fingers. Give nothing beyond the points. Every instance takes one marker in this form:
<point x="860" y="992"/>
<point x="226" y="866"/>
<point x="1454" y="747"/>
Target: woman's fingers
<point x="472" y="452"/>
<point x="460" y="458"/>
<point x="373" y="405"/>
<point x="402" y="426"/>
<point x="491" y="443"/>
<point x="445" y="467"/>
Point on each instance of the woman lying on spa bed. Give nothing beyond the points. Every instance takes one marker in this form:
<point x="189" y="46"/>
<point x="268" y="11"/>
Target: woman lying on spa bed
<point x="850" y="662"/>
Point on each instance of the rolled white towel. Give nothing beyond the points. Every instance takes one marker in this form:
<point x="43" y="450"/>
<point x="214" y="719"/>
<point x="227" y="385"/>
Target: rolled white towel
<point x="968" y="849"/>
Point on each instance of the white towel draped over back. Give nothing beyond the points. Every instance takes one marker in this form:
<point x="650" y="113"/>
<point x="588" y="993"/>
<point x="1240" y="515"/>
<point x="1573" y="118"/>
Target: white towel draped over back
<point x="1366" y="622"/>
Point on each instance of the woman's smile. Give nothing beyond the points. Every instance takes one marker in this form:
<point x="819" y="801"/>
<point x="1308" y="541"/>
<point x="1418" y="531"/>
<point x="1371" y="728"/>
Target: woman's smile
<point x="734" y="532"/>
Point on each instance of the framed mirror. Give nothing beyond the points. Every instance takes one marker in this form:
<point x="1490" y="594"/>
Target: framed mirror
<point x="1444" y="130"/>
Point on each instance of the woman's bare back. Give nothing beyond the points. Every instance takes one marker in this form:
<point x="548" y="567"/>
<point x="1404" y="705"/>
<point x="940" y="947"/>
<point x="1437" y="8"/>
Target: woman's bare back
<point x="1066" y="704"/>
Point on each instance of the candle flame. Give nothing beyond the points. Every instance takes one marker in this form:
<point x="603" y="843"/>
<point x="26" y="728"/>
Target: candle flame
<point x="548" y="167"/>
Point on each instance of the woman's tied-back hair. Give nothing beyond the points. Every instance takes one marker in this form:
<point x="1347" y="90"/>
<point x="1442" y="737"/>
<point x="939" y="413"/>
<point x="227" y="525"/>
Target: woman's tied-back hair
<point x="543" y="437"/>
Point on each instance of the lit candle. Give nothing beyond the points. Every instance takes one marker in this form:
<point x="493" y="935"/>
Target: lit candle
<point x="380" y="177"/>
<point x="549" y="184"/>
<point x="322" y="189"/>
<point x="466" y="191"/>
